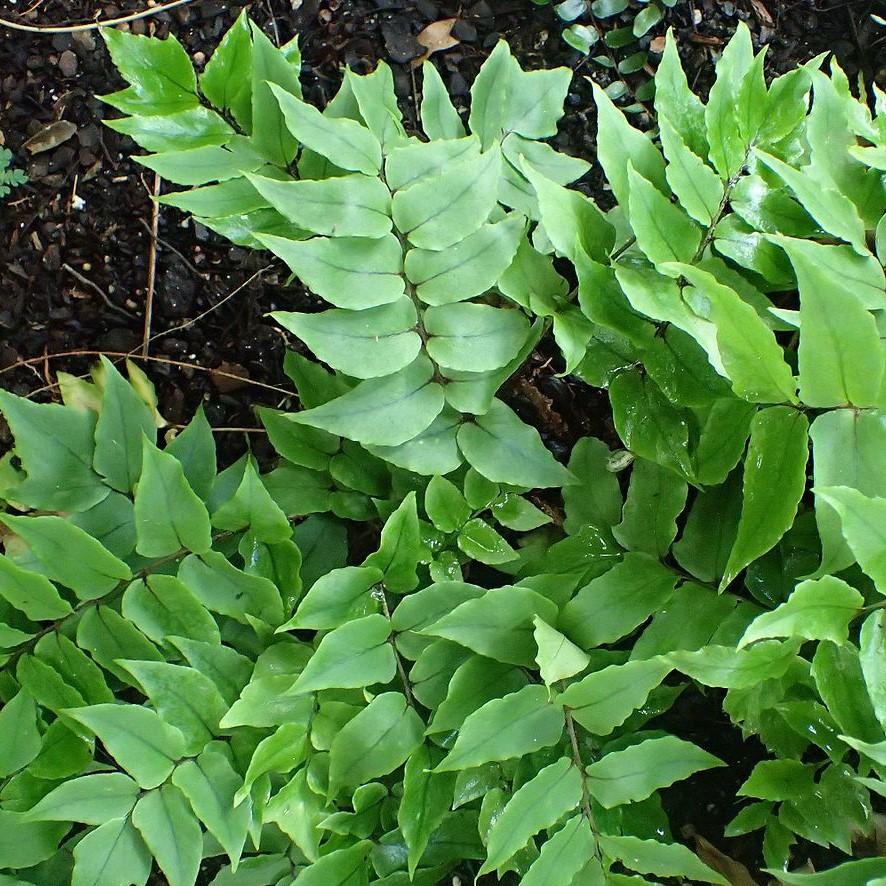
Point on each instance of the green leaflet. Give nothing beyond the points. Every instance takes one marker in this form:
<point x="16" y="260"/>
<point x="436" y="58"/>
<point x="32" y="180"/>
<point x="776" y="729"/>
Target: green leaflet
<point x="841" y="357"/>
<point x="383" y="412"/>
<point x="540" y="803"/>
<point x="172" y="833"/>
<point x="92" y="573"/>
<point x="612" y="605"/>
<point x="91" y="799"/>
<point x="775" y="475"/>
<point x="378" y="740"/>
<point x="662" y="859"/>
<point x="503" y="449"/>
<point x="31" y="593"/>
<point x="474" y="338"/>
<point x="563" y="856"/>
<point x="343" y="142"/>
<point x="416" y="160"/>
<point x="350" y="272"/>
<point x="364" y="344"/>
<point x="505" y="728"/>
<point x="441" y="210"/>
<point x="19" y="738"/>
<point x="695" y="184"/>
<point x="168" y="514"/>
<point x="138" y="739"/>
<point x="353" y="655"/>
<point x="470" y="267"/>
<point x="816" y="610"/>
<point x="558" y="658"/>
<point x="861" y="518"/>
<point x="604" y="699"/>
<point x="439" y="119"/>
<point x="112" y="853"/>
<point x="400" y="549"/>
<point x="55" y="442"/>
<point x="209" y="783"/>
<point x="348" y="206"/>
<point x="634" y="773"/>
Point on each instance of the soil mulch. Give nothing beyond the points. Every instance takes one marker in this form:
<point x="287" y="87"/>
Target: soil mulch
<point x="75" y="242"/>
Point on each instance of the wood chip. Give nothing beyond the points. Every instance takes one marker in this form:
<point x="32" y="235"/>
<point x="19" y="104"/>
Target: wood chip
<point x="50" y="136"/>
<point x="762" y="13"/>
<point x="436" y="37"/>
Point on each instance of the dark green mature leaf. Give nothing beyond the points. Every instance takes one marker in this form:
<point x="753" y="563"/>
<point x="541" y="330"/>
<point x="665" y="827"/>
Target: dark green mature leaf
<point x="168" y="827"/>
<point x="427" y="797"/>
<point x="24" y="844"/>
<point x="840" y="682"/>
<point x="138" y="739"/>
<point x="774" y="480"/>
<point x="94" y="571"/>
<point x="482" y="543"/>
<point x="729" y="668"/>
<point x="353" y="655"/>
<point x="634" y="773"/>
<point x="112" y="854"/>
<point x="612" y="605"/>
<point x="512" y="726"/>
<point x="648" y="423"/>
<point x="336" y="597"/>
<point x="169" y="516"/>
<point x="596" y="497"/>
<point x="378" y="740"/>
<point x="505" y="450"/>
<point x="555" y="791"/>
<point x="864" y="872"/>
<point x="656" y="498"/>
<point x="55" y="445"/>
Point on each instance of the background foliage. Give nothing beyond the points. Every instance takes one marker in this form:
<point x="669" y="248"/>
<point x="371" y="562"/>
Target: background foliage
<point x="232" y="672"/>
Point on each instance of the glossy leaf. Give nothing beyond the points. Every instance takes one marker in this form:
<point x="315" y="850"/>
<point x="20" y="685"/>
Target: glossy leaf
<point x="634" y="773"/>
<point x="774" y="480"/>
<point x="168" y="827"/>
<point x="505" y="728"/>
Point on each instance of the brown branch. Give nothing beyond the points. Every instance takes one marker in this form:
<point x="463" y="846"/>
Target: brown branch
<point x="152" y="267"/>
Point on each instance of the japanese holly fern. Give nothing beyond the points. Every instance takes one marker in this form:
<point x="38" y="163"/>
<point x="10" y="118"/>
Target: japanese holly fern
<point x="201" y="677"/>
<point x="405" y="236"/>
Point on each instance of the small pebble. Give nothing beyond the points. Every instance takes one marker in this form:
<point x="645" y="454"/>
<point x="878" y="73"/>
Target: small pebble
<point x="67" y="63"/>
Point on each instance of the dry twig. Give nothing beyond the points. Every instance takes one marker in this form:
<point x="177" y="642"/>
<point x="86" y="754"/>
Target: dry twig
<point x="92" y="26"/>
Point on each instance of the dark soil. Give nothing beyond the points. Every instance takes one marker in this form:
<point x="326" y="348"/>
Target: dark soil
<point x="75" y="242"/>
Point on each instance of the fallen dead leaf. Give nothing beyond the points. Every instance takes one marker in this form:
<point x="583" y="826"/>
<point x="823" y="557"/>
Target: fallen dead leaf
<point x="762" y="13"/>
<point x="734" y="871"/>
<point x="50" y="136"/>
<point x="658" y="44"/>
<point x="436" y="37"/>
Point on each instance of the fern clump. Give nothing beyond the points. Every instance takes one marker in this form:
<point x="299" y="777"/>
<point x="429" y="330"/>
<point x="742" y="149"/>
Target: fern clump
<point x="214" y="674"/>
